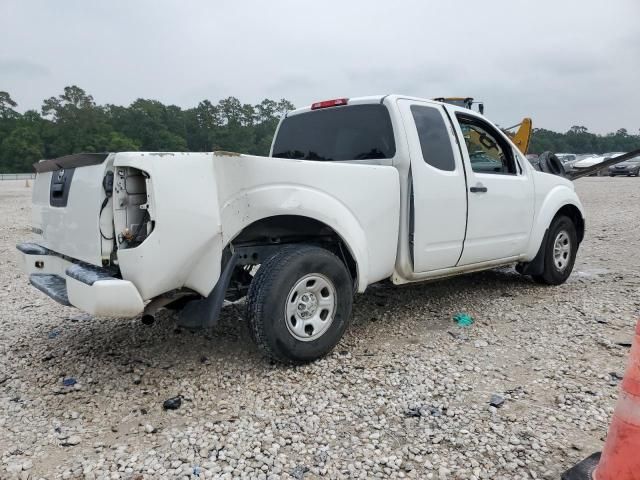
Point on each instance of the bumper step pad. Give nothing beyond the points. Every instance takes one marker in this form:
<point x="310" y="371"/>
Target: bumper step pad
<point x="56" y="286"/>
<point x="52" y="285"/>
<point x="32" y="249"/>
<point x="89" y="274"/>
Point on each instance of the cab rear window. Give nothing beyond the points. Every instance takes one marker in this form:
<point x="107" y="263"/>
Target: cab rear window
<point x="355" y="132"/>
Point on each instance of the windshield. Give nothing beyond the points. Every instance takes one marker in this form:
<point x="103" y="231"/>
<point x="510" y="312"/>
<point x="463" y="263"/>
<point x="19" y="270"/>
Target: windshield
<point x="356" y="132"/>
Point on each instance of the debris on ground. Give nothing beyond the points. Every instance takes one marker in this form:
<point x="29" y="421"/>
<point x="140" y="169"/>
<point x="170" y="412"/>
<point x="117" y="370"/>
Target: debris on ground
<point x="172" y="403"/>
<point x="54" y="333"/>
<point x="614" y="378"/>
<point x="299" y="471"/>
<point x="69" y="382"/>
<point x="150" y="428"/>
<point x="71" y="441"/>
<point x="463" y="319"/>
<point x="461" y="335"/>
<point x="413" y="412"/>
<point x="421" y="411"/>
<point x="496" y="400"/>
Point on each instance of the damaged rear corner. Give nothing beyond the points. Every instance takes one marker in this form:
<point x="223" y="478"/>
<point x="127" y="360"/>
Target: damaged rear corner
<point x="133" y="208"/>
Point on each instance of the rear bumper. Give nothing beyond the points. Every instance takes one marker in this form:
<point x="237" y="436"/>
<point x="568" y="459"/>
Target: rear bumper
<point x="91" y="289"/>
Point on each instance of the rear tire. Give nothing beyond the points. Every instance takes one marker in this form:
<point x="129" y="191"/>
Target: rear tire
<point x="560" y="252"/>
<point x="299" y="304"/>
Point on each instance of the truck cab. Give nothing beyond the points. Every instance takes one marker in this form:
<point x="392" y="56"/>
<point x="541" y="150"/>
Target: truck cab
<point x="469" y="199"/>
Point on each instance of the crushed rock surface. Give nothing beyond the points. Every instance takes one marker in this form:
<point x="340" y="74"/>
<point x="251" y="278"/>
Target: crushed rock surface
<point x="406" y="394"/>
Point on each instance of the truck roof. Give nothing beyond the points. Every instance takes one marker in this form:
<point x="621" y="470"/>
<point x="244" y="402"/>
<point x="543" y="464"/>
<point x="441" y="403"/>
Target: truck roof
<point x="361" y="101"/>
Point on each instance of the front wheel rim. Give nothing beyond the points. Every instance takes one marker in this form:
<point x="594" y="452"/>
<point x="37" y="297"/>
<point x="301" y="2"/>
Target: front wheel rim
<point x="311" y="307"/>
<point x="561" y="250"/>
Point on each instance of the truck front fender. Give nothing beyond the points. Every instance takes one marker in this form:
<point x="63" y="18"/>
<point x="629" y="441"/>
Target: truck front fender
<point x="547" y="208"/>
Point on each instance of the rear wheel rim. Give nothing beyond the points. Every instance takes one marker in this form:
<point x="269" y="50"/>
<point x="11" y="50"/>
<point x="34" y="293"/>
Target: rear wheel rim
<point x="311" y="307"/>
<point x="561" y="250"/>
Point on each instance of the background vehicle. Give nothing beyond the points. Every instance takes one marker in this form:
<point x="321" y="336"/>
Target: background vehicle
<point x="628" y="168"/>
<point x="355" y="191"/>
<point x="593" y="160"/>
<point x="567" y="159"/>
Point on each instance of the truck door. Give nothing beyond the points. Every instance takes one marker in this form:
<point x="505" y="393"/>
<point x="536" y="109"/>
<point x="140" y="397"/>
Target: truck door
<point x="501" y="196"/>
<point x="439" y="200"/>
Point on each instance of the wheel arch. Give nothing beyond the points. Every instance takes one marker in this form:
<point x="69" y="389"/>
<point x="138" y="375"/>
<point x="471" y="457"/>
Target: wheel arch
<point x="285" y="229"/>
<point x="576" y="217"/>
<point x="536" y="264"/>
<point x="561" y="200"/>
<point x="264" y="237"/>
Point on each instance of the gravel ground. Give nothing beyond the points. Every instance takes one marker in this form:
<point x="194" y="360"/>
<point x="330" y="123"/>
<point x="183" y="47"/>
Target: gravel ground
<point x="405" y="394"/>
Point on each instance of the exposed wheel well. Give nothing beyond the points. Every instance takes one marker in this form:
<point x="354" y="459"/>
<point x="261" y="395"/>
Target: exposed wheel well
<point x="574" y="214"/>
<point x="282" y="230"/>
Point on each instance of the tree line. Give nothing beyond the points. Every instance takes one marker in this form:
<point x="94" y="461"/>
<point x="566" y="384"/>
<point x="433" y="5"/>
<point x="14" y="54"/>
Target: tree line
<point x="72" y="122"/>
<point x="579" y="140"/>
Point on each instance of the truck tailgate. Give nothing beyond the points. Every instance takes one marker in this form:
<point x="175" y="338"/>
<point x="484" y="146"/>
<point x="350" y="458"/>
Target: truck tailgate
<point x="66" y="204"/>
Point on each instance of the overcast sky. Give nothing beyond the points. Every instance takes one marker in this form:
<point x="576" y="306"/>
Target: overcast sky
<point x="560" y="62"/>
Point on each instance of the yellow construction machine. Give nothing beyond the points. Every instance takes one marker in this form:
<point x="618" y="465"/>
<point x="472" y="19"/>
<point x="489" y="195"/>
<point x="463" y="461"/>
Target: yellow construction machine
<point x="521" y="137"/>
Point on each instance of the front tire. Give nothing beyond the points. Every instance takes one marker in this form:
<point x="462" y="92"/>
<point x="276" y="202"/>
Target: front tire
<point x="299" y="304"/>
<point x="560" y="252"/>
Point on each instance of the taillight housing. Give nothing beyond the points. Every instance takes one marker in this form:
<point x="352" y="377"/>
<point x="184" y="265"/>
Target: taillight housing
<point x="336" y="102"/>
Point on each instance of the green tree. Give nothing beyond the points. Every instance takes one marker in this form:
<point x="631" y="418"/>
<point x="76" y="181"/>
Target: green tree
<point x="579" y="140"/>
<point x="202" y="122"/>
<point x="152" y="125"/>
<point x="7" y="106"/>
<point x="20" y="150"/>
<point x="76" y="124"/>
<point x="578" y="129"/>
<point x="120" y="143"/>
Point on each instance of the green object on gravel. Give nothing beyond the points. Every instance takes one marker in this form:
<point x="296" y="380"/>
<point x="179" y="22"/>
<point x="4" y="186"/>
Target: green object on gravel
<point x="463" y="319"/>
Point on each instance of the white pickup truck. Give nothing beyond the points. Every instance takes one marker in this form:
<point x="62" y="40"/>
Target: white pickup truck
<point x="354" y="191"/>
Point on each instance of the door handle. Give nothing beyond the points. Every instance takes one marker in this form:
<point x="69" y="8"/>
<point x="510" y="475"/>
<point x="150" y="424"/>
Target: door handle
<point x="479" y="188"/>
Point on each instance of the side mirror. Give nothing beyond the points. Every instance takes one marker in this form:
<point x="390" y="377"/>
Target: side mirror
<point x="481" y="108"/>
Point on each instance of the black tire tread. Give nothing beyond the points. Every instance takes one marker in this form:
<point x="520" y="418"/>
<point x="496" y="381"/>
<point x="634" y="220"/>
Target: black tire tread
<point x="269" y="273"/>
<point x="547" y="277"/>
